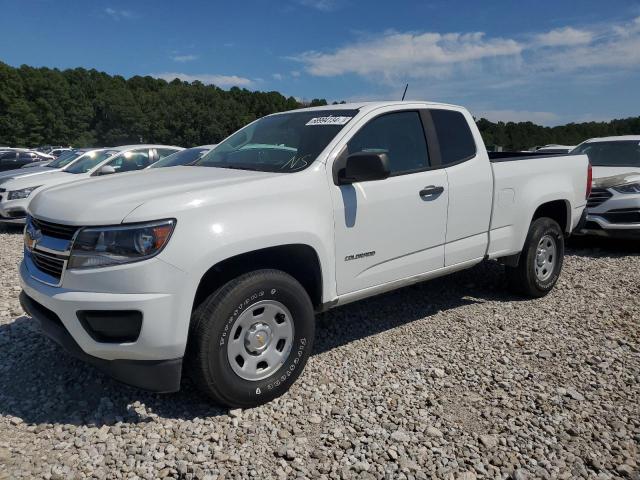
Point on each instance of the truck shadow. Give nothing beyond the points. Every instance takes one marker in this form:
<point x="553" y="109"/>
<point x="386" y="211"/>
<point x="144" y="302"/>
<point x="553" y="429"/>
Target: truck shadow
<point x="42" y="385"/>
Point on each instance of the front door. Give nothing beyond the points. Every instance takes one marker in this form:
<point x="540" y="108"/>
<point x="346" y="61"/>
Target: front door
<point x="395" y="228"/>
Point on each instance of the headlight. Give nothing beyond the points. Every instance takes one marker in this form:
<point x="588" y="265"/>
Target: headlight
<point x="23" y="193"/>
<point x="106" y="246"/>
<point x="628" y="188"/>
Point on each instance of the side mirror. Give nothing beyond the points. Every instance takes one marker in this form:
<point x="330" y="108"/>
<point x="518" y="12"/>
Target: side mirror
<point x="364" y="167"/>
<point x="106" y="170"/>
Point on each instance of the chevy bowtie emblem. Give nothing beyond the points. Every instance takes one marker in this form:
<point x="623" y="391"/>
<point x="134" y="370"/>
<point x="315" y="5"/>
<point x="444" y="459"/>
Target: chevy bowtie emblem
<point x="32" y="236"/>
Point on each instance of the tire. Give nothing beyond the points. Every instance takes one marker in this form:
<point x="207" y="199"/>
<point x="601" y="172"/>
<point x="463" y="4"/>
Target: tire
<point x="534" y="276"/>
<point x="250" y="340"/>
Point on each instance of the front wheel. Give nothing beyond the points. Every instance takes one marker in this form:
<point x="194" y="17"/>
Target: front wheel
<point x="250" y="340"/>
<point x="540" y="261"/>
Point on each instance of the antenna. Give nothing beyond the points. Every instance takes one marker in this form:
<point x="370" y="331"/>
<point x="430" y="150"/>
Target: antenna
<point x="405" y="91"/>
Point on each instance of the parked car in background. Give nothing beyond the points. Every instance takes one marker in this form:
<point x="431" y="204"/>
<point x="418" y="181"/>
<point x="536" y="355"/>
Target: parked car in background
<point x="47" y="148"/>
<point x="17" y="158"/>
<point x="49" y="166"/>
<point x="56" y="152"/>
<point x="183" y="157"/>
<point x="551" y="149"/>
<point x="223" y="263"/>
<point x="16" y="192"/>
<point x="614" y="204"/>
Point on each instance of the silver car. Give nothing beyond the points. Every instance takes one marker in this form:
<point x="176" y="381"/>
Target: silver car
<point x="614" y="203"/>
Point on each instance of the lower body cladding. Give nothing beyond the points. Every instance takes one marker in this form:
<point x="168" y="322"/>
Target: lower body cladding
<point x="138" y="339"/>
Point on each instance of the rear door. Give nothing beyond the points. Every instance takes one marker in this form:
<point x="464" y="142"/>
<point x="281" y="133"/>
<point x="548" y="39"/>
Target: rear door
<point x="391" y="229"/>
<point x="25" y="158"/>
<point x="460" y="151"/>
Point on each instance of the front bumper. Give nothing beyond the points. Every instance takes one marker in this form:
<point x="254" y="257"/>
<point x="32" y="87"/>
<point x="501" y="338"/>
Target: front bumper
<point x="13" y="212"/>
<point x="598" y="226"/>
<point x="160" y="376"/>
<point x="618" y="216"/>
<point x="162" y="298"/>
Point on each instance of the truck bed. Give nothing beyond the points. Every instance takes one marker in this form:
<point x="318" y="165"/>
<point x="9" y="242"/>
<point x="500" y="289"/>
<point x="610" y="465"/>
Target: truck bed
<point x="519" y="187"/>
<point x="513" y="156"/>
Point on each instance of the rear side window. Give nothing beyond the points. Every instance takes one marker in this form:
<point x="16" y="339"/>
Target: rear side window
<point x="454" y="136"/>
<point x="400" y="135"/>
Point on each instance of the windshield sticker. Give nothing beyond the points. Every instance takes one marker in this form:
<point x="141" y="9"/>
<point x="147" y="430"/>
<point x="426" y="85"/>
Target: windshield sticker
<point x="330" y="120"/>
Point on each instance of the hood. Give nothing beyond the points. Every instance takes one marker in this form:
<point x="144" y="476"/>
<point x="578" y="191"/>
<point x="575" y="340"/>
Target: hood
<point x="601" y="172"/>
<point x="23" y="172"/>
<point x="45" y="179"/>
<point x="108" y="200"/>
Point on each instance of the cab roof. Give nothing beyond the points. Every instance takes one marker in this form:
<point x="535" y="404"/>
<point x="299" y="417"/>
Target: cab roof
<point x="619" y="138"/>
<point x="373" y="105"/>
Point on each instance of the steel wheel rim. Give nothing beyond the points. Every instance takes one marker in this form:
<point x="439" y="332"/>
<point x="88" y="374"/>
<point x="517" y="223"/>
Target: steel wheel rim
<point x="546" y="258"/>
<point x="260" y="340"/>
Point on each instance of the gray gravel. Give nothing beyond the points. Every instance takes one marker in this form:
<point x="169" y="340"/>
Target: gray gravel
<point x="449" y="379"/>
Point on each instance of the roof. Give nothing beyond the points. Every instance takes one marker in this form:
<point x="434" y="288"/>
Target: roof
<point x="123" y="148"/>
<point x="373" y="105"/>
<point x="620" y="138"/>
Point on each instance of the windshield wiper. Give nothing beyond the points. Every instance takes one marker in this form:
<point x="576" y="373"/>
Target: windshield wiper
<point x="236" y="167"/>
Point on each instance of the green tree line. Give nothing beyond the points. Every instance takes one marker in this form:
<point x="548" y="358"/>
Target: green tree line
<point x="83" y="107"/>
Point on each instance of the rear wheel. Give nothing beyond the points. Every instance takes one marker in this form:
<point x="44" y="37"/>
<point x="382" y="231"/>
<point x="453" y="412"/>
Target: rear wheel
<point x="540" y="261"/>
<point x="251" y="339"/>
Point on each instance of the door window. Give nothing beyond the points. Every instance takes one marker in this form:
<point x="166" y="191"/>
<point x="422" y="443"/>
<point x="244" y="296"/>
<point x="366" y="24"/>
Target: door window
<point x="454" y="136"/>
<point x="131" y="161"/>
<point x="400" y="135"/>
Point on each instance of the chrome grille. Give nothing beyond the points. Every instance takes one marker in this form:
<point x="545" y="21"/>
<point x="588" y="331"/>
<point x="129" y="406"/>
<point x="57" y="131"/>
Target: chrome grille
<point x="48" y="264"/>
<point x="598" y="196"/>
<point x="55" y="230"/>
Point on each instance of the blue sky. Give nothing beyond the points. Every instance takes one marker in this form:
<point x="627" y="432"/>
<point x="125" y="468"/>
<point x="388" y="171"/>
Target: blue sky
<point x="551" y="62"/>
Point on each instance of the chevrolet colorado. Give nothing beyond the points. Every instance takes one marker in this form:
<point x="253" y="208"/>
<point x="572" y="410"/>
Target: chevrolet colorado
<point x="216" y="270"/>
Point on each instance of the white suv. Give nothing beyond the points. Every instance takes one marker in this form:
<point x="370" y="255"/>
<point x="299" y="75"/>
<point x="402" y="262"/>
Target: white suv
<point x="614" y="204"/>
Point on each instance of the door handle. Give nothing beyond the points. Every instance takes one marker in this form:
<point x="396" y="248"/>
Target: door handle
<point x="431" y="191"/>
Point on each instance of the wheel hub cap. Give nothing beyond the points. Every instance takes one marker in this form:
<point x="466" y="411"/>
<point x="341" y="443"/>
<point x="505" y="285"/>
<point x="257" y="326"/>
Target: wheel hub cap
<point x="258" y="337"/>
<point x="545" y="258"/>
<point x="260" y="340"/>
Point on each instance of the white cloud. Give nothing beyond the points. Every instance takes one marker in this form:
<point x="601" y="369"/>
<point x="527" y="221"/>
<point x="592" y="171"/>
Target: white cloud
<point x="277" y="76"/>
<point x="209" y="79"/>
<point x="184" y="58"/>
<point x="563" y="37"/>
<point x="479" y="59"/>
<point x="321" y="5"/>
<point x="408" y="55"/>
<point x="118" y="14"/>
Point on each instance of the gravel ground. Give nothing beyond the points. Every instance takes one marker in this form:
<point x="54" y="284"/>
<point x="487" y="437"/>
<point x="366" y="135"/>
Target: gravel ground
<point x="449" y="379"/>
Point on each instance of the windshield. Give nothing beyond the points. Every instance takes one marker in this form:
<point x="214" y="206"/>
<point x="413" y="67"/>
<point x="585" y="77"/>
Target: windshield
<point x="624" y="153"/>
<point x="65" y="159"/>
<point x="183" y="157"/>
<point x="89" y="160"/>
<point x="287" y="142"/>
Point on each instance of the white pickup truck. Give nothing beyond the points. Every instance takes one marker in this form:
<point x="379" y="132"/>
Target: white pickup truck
<point x="215" y="270"/>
